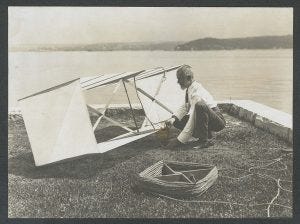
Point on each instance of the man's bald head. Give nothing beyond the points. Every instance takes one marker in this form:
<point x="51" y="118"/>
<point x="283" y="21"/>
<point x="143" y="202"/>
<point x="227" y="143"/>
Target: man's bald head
<point x="185" y="76"/>
<point x="185" y="72"/>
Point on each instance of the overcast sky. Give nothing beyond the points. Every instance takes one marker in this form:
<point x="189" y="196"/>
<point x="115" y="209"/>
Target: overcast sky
<point x="60" y="25"/>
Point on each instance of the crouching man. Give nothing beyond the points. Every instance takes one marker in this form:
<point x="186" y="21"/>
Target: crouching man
<point x="199" y="116"/>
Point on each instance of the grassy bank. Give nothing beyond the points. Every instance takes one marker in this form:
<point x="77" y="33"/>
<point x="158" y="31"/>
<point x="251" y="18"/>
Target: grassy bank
<point x="250" y="162"/>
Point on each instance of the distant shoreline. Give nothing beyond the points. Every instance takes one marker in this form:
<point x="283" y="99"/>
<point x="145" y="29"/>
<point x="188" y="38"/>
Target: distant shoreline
<point x="247" y="43"/>
<point x="242" y="49"/>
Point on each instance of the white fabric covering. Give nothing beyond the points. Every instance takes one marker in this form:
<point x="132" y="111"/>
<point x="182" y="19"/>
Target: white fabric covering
<point x="170" y="94"/>
<point x="58" y="124"/>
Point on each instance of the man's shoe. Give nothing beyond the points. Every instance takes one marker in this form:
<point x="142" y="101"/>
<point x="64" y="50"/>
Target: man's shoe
<point x="204" y="144"/>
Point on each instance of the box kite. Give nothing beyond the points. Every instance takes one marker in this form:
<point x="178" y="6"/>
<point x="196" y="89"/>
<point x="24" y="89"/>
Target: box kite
<point x="58" y="120"/>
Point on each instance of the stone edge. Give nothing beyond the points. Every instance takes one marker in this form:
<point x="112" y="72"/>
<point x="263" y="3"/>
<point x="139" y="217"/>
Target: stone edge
<point x="281" y="131"/>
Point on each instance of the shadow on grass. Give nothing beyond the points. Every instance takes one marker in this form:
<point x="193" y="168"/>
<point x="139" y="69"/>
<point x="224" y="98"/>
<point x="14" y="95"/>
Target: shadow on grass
<point x="82" y="167"/>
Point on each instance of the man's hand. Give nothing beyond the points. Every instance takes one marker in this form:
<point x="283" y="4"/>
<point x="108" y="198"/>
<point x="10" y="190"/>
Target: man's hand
<point x="169" y="123"/>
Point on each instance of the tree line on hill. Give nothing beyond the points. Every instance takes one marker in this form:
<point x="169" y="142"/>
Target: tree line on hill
<point x="261" y="42"/>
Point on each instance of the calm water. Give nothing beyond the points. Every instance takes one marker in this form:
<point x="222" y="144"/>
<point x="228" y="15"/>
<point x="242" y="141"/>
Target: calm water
<point x="265" y="76"/>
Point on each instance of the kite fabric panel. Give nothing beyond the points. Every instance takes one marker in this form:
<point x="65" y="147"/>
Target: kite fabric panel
<point x="166" y="90"/>
<point x="58" y="124"/>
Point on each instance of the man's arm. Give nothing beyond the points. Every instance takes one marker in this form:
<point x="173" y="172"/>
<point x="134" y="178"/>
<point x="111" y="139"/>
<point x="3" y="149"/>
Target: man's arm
<point x="178" y="115"/>
<point x="181" y="112"/>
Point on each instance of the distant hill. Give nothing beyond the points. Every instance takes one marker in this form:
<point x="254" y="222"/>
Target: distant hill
<point x="133" y="46"/>
<point x="262" y="42"/>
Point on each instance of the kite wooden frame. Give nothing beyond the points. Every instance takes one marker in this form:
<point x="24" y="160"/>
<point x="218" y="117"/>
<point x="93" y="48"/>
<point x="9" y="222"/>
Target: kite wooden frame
<point x="122" y="78"/>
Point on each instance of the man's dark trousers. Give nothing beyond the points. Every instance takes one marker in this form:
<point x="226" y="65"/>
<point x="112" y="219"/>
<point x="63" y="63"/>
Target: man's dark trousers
<point x="207" y="120"/>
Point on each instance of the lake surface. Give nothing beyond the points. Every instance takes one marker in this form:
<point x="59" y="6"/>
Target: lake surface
<point x="265" y="76"/>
